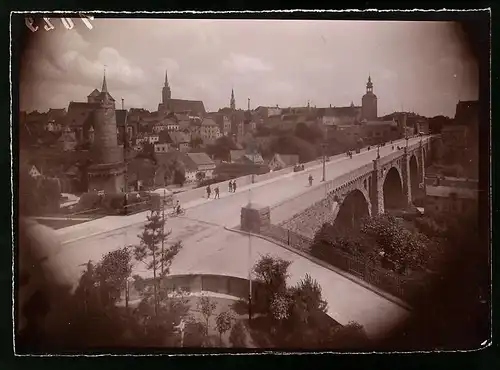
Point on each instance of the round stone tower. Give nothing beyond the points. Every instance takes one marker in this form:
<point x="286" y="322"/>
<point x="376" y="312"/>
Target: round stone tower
<point x="107" y="172"/>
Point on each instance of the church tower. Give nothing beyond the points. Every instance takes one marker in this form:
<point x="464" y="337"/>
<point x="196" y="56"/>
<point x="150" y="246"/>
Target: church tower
<point x="369" y="103"/>
<point x="232" y="102"/>
<point x="166" y="93"/>
<point x="107" y="170"/>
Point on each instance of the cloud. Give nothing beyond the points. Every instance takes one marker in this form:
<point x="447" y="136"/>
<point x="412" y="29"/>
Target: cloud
<point x="241" y="63"/>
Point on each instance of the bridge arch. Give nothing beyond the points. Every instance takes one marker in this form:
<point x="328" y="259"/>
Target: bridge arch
<point x="393" y="190"/>
<point x="353" y="209"/>
<point x="414" y="177"/>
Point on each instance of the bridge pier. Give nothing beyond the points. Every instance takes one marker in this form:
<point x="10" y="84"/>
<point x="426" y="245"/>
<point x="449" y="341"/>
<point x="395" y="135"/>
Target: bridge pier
<point x="377" y="189"/>
<point x="406" y="181"/>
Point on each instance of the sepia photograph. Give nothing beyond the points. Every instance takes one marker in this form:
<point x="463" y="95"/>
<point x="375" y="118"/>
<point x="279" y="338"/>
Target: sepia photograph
<point x="209" y="184"/>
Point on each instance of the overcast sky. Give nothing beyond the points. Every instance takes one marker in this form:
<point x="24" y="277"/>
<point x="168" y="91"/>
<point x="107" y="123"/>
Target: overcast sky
<point x="421" y="67"/>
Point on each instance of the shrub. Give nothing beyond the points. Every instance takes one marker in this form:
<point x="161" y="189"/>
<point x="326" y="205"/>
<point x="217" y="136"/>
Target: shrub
<point x="89" y="201"/>
<point x="237" y="337"/>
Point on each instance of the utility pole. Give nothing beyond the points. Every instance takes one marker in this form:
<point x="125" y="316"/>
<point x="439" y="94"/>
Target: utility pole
<point x="249" y="264"/>
<point x="323" y="145"/>
<point x="163" y="233"/>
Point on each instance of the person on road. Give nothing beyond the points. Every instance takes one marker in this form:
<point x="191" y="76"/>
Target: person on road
<point x="234" y="186"/>
<point x="209" y="191"/>
<point x="310" y="180"/>
<point x="230" y="186"/>
<point x="216" y="196"/>
<point x="178" y="208"/>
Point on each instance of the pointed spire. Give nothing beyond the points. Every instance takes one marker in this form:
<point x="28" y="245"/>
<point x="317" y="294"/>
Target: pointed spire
<point x="232" y="103"/>
<point x="104" y="84"/>
<point x="166" y="78"/>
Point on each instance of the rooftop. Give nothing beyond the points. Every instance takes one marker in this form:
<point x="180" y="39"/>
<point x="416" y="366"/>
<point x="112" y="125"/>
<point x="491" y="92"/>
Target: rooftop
<point x="449" y="191"/>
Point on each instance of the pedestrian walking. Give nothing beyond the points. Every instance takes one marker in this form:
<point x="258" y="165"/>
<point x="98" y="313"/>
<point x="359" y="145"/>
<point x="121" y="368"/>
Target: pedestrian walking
<point x="216" y="192"/>
<point x="234" y="186"/>
<point x="208" y="191"/>
<point x="230" y="186"/>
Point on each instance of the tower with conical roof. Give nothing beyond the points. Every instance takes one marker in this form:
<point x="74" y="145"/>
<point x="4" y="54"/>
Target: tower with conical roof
<point x="107" y="170"/>
<point x="232" y="102"/>
<point x="166" y="93"/>
<point x="369" y="102"/>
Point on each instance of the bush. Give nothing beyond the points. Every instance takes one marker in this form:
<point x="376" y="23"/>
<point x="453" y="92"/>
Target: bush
<point x="237" y="337"/>
<point x="429" y="227"/>
<point x="89" y="201"/>
<point x="207" y="182"/>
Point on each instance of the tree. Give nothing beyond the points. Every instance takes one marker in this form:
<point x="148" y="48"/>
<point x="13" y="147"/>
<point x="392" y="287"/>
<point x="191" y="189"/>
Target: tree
<point x="272" y="273"/>
<point x="237" y="337"/>
<point x="194" y="334"/>
<point x="223" y="323"/>
<point x="399" y="246"/>
<point x="152" y="251"/>
<point x="148" y="151"/>
<point x="196" y="142"/>
<point x="350" y="336"/>
<point x="310" y="134"/>
<point x="221" y="148"/>
<point x="112" y="273"/>
<point x="179" y="174"/>
<point x="290" y="144"/>
<point x="207" y="308"/>
<point x="307" y="300"/>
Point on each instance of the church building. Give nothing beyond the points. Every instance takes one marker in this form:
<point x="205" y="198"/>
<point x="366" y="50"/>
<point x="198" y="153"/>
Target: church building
<point x="179" y="106"/>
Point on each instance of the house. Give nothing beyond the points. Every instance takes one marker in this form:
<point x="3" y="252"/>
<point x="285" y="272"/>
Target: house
<point x="198" y="162"/>
<point x="209" y="131"/>
<point x="251" y="158"/>
<point x="140" y="174"/>
<point x="441" y="200"/>
<point x="151" y="138"/>
<point x="281" y="161"/>
<point x="166" y="124"/>
<point x="181" y="140"/>
<point x="235" y="155"/>
<point x="67" y="140"/>
<point x="164" y="144"/>
<point x="34" y="172"/>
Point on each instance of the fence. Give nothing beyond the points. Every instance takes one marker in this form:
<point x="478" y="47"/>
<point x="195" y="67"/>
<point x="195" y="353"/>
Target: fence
<point x="364" y="270"/>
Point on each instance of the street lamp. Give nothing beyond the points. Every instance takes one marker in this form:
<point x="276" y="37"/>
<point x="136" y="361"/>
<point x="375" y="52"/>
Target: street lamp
<point x="249" y="264"/>
<point x="323" y="146"/>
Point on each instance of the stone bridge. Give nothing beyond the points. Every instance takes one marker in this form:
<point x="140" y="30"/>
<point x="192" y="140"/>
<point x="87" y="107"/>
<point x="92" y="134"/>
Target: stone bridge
<point x="389" y="182"/>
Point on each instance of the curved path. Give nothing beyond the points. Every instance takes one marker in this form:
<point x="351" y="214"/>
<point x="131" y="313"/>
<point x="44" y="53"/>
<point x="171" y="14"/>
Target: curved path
<point x="209" y="248"/>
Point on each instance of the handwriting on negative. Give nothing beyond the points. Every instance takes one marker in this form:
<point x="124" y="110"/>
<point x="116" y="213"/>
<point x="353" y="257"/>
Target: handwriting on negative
<point x="67" y="23"/>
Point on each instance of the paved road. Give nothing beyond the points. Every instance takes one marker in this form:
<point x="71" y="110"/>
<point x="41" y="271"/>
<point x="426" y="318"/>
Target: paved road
<point x="226" y="210"/>
<point x="209" y="248"/>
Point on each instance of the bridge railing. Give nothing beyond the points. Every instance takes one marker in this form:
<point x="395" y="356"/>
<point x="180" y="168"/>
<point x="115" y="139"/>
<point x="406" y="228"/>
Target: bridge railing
<point x="386" y="280"/>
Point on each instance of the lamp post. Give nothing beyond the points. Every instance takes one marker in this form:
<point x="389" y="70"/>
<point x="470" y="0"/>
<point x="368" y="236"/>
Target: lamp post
<point x="163" y="231"/>
<point x="249" y="263"/>
<point x="323" y="146"/>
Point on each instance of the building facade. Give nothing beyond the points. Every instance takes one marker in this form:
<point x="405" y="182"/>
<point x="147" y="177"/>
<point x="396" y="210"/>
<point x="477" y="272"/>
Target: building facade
<point x="369" y="102"/>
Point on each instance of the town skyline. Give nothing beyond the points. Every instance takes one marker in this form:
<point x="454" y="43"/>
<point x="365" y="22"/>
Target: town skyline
<point x="261" y="66"/>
